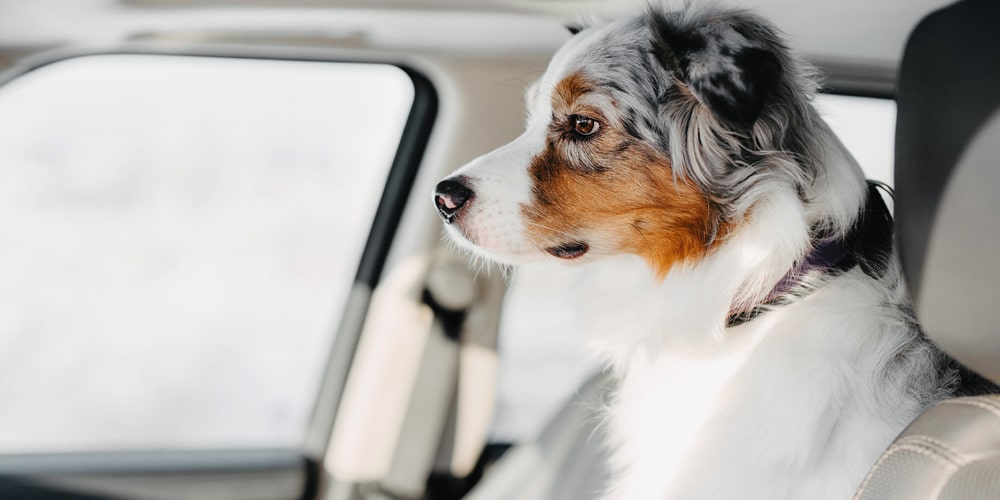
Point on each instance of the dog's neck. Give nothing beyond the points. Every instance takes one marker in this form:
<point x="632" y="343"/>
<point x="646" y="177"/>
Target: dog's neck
<point x="690" y="308"/>
<point x="636" y="318"/>
<point x="868" y="244"/>
<point x="828" y="256"/>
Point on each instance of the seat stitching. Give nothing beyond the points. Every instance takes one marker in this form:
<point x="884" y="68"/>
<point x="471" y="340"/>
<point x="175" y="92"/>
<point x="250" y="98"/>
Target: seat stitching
<point x="909" y="444"/>
<point x="990" y="399"/>
<point x="956" y="456"/>
<point x="992" y="408"/>
<point x="989" y="403"/>
<point x="929" y="452"/>
<point x="864" y="484"/>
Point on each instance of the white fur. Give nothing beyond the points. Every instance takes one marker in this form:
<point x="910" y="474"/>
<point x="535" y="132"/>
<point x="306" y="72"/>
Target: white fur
<point x="492" y="224"/>
<point x="795" y="404"/>
<point x="792" y="405"/>
<point x="783" y="407"/>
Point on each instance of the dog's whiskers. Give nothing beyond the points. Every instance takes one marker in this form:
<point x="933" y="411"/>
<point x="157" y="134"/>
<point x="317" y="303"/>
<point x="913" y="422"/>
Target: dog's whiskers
<point x="549" y="219"/>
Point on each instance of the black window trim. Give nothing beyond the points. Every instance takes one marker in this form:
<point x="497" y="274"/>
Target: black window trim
<point x="857" y="78"/>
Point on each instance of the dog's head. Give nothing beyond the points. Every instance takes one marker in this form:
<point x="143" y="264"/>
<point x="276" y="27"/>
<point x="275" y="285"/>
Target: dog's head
<point x="651" y="136"/>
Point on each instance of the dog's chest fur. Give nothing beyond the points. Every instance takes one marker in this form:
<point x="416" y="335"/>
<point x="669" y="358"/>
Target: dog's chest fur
<point x="797" y="403"/>
<point x="677" y="157"/>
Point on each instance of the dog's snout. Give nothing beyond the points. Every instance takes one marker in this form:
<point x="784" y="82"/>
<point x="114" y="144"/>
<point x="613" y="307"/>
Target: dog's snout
<point x="450" y="196"/>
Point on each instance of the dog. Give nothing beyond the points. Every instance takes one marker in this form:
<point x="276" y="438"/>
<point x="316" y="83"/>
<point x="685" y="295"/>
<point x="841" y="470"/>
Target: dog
<point x="735" y="267"/>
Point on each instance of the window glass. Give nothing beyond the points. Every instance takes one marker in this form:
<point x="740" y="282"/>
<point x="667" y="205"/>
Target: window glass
<point x="867" y="126"/>
<point x="543" y="362"/>
<point x="179" y="235"/>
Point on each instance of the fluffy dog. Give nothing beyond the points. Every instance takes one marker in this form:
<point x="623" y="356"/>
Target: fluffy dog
<point x="736" y="268"/>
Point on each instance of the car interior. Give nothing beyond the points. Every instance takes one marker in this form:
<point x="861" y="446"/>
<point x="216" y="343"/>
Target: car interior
<point x="224" y="277"/>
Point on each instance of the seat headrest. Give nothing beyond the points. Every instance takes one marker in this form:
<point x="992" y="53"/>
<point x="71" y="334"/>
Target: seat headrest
<point x="948" y="179"/>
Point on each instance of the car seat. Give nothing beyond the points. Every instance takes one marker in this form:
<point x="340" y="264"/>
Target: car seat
<point x="948" y="235"/>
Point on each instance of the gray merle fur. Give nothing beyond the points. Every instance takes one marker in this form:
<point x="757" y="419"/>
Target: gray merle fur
<point x="718" y="92"/>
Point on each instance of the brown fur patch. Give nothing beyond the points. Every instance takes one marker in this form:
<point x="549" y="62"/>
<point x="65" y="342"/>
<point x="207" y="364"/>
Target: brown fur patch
<point x="612" y="191"/>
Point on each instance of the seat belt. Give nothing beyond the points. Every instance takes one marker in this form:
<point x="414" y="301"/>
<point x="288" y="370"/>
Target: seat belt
<point x="478" y="367"/>
<point x="421" y="391"/>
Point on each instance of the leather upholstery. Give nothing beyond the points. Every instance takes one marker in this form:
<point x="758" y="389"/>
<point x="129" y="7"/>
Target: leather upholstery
<point x="948" y="235"/>
<point x="951" y="452"/>
<point x="949" y="85"/>
<point x="947" y="175"/>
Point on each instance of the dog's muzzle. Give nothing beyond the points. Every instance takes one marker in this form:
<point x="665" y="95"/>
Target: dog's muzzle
<point x="450" y="196"/>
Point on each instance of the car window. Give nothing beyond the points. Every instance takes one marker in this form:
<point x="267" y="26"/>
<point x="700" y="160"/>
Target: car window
<point x="867" y="126"/>
<point x="179" y="235"/>
<point x="543" y="361"/>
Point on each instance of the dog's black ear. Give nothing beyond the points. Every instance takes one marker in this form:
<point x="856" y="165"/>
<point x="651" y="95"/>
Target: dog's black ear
<point x="730" y="62"/>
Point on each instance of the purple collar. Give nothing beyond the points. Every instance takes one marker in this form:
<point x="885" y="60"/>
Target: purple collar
<point x="830" y="256"/>
<point x="827" y="254"/>
<point x="868" y="244"/>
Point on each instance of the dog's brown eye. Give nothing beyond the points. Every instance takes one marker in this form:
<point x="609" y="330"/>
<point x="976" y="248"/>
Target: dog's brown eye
<point x="585" y="126"/>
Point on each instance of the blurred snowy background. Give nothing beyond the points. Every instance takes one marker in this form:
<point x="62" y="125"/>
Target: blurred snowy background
<point x="177" y="237"/>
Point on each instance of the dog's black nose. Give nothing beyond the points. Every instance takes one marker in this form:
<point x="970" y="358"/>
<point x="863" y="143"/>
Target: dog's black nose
<point x="449" y="197"/>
